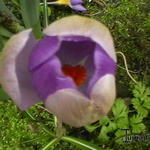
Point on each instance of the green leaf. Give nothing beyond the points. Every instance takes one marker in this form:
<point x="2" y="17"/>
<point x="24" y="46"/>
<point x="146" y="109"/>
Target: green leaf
<point x="82" y="144"/>
<point x="4" y="32"/>
<point x="119" y="133"/>
<point x="120" y="109"/>
<point x="91" y="128"/>
<point x="136" y="119"/>
<point x="122" y="123"/>
<point x="136" y="123"/>
<point x="141" y="92"/>
<point x="111" y="127"/>
<point x="30" y="13"/>
<point x="105" y="120"/>
<point x="139" y="107"/>
<point x="51" y="144"/>
<point x="138" y="128"/>
<point x="146" y="103"/>
<point x="103" y="137"/>
<point x="136" y="103"/>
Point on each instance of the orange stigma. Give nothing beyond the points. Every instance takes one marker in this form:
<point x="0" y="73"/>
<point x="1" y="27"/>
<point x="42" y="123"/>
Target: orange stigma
<point x="77" y="73"/>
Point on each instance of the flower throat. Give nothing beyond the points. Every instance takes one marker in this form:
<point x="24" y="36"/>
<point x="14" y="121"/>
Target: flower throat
<point x="77" y="73"/>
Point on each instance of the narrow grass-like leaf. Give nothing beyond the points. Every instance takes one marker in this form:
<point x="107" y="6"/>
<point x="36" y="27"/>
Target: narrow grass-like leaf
<point x="30" y="13"/>
<point x="82" y="144"/>
<point x="51" y="144"/>
<point x="45" y="13"/>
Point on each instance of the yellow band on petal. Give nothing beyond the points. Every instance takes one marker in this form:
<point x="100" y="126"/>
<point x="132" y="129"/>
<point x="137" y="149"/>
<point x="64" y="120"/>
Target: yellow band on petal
<point x="64" y="2"/>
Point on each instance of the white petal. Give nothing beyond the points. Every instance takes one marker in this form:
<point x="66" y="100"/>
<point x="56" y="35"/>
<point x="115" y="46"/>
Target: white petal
<point x="79" y="25"/>
<point x="104" y="92"/>
<point x="75" y="109"/>
<point x="14" y="75"/>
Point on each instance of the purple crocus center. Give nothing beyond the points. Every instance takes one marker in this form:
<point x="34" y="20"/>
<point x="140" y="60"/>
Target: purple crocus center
<point x="52" y="53"/>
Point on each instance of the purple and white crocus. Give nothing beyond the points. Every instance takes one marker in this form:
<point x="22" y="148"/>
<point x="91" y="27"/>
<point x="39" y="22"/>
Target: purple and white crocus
<point x="31" y="70"/>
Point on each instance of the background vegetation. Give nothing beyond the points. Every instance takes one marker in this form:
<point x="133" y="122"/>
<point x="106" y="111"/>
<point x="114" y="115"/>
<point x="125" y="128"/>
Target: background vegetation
<point x="129" y="23"/>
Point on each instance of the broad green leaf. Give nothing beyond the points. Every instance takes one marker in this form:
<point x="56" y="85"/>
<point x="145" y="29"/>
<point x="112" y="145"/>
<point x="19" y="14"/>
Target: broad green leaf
<point x="30" y="13"/>
<point x="82" y="144"/>
<point x="4" y="32"/>
<point x="120" y="109"/>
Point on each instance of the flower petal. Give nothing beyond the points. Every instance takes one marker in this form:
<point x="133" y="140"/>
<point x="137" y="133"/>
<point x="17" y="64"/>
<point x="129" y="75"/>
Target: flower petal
<point x="104" y="92"/>
<point x="75" y="109"/>
<point x="104" y="64"/>
<point x="14" y="75"/>
<point x="74" y="2"/>
<point x="43" y="50"/>
<point x="83" y="26"/>
<point x="48" y="78"/>
<point x="78" y="7"/>
<point x="72" y="107"/>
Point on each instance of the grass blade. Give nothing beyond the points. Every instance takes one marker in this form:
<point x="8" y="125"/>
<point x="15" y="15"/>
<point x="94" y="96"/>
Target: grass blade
<point x="51" y="144"/>
<point x="82" y="144"/>
<point x="30" y="13"/>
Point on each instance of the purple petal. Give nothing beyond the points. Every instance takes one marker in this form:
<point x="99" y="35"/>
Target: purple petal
<point x="72" y="50"/>
<point x="43" y="50"/>
<point x="78" y="7"/>
<point x="76" y="38"/>
<point x="103" y="65"/>
<point x="48" y="78"/>
<point x="74" y="2"/>
<point x="14" y="75"/>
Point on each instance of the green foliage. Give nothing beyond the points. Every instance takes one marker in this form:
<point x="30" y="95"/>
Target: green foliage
<point x="141" y="102"/>
<point x="125" y="117"/>
<point x="117" y="123"/>
<point x="31" y="17"/>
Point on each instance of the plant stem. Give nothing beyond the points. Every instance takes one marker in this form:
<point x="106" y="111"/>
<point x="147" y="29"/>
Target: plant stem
<point x="45" y="13"/>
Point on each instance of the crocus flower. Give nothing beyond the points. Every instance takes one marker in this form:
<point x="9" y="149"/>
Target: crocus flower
<point x="74" y="4"/>
<point x="71" y="70"/>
